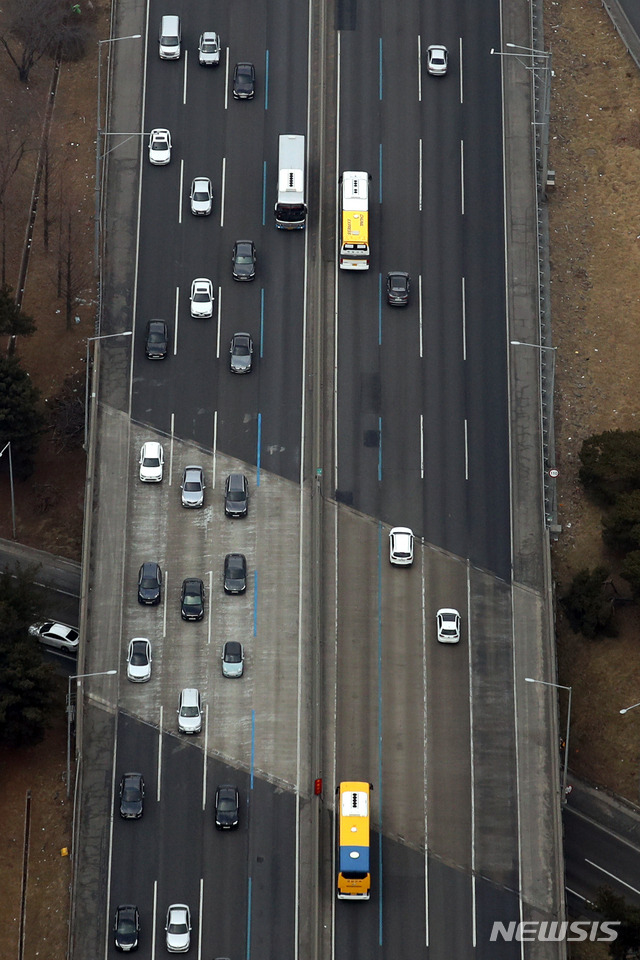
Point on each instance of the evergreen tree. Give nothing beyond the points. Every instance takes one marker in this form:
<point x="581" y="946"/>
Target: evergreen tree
<point x="21" y="421"/>
<point x="611" y="464"/>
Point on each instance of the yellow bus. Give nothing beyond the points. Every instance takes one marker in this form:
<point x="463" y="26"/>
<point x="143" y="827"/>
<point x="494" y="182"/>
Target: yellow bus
<point x="352" y="810"/>
<point x="354" y="240"/>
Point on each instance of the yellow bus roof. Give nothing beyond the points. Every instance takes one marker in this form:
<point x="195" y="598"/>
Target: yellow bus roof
<point x="355" y="226"/>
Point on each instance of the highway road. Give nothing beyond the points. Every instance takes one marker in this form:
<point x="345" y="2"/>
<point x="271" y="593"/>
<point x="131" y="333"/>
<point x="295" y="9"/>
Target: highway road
<point x="416" y="406"/>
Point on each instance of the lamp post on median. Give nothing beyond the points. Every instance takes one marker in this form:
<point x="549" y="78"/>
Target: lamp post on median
<point x="77" y="678"/>
<point x="104" y="336"/>
<point x="134" y="36"/>
<point x="560" y="686"/>
<point x="13" y="505"/>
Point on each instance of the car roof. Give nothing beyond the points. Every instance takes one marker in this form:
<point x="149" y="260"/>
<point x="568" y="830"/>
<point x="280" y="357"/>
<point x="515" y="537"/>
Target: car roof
<point x="238" y="336"/>
<point x="60" y="629"/>
<point x="233" y="647"/>
<point x="189" y="695"/>
<point x="209" y="35"/>
<point x="190" y="580"/>
<point x="151" y="445"/>
<point x="236" y="480"/>
<point x="192" y="469"/>
<point x="157" y="325"/>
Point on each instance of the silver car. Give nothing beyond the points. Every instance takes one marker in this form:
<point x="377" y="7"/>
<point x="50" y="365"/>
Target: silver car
<point x="189" y="711"/>
<point x="209" y="49"/>
<point x="201" y="197"/>
<point x="437" y="60"/>
<point x="58" y="635"/>
<point x="232" y="659"/>
<point x="192" y="487"/>
<point x="178" y="928"/>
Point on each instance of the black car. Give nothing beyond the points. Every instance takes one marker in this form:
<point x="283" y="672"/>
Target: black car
<point x="244" y="81"/>
<point x="236" y="495"/>
<point x="192" y="599"/>
<point x="156" y="340"/>
<point x="126" y="928"/>
<point x="244" y="260"/>
<point x="227" y="807"/>
<point x="235" y="573"/>
<point x="131" y="796"/>
<point x="149" y="583"/>
<point x="398" y="288"/>
<point x="240" y="353"/>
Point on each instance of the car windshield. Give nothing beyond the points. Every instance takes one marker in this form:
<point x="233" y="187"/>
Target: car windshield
<point x="151" y="462"/>
<point x="236" y="495"/>
<point x="189" y="712"/>
<point x="201" y="295"/>
<point x="241" y="349"/>
<point x="155" y="337"/>
<point x="177" y="927"/>
<point x="209" y="46"/>
<point x="235" y="570"/>
<point x="200" y="195"/>
<point x="130" y="794"/>
<point x="192" y="485"/>
<point x="138" y="656"/>
<point x="191" y="598"/>
<point x="126" y="926"/>
<point x="226" y="805"/>
<point x="148" y="582"/>
<point x="232" y="655"/>
<point x="243" y="258"/>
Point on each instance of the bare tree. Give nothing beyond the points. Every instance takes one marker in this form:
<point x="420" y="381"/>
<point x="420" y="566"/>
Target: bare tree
<point x="54" y="28"/>
<point x="13" y="146"/>
<point x="74" y="273"/>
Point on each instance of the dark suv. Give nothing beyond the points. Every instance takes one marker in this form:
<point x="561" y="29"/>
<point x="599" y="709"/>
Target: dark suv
<point x="131" y="796"/>
<point x="156" y="340"/>
<point x="192" y="599"/>
<point x="236" y="495"/>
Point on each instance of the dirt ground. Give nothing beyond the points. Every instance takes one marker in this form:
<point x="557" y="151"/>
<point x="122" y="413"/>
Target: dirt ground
<point x="595" y="261"/>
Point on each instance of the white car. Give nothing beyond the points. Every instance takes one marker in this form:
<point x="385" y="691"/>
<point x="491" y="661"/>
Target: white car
<point x="401" y="546"/>
<point x="437" y="60"/>
<point x="159" y="146"/>
<point x="201" y="298"/>
<point x="151" y="462"/>
<point x="178" y="928"/>
<point x="190" y="711"/>
<point x="201" y="197"/>
<point x="58" y="635"/>
<point x="139" y="660"/>
<point x="448" y="621"/>
<point x="209" y="49"/>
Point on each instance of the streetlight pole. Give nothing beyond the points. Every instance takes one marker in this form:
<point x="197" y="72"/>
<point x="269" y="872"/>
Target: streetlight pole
<point x="77" y="677"/>
<point x="537" y="346"/>
<point x="560" y="686"/>
<point x="134" y="36"/>
<point x="626" y="709"/>
<point x="104" y="336"/>
<point x="13" y="504"/>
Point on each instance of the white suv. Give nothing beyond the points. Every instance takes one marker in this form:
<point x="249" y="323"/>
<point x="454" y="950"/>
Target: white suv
<point x="190" y="711"/>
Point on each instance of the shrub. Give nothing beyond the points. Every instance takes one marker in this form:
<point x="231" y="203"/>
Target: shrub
<point x="587" y="606"/>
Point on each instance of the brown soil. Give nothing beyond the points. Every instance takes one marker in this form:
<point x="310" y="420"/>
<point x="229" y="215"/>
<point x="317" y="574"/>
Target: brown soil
<point x="595" y="255"/>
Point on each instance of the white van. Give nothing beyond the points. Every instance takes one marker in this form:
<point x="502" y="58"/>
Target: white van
<point x="170" y="37"/>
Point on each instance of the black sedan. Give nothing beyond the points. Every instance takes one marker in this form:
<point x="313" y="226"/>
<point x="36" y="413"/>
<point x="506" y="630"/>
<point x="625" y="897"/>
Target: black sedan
<point x="227" y="807"/>
<point x="398" y="288"/>
<point x="126" y="927"/>
<point x="243" y="260"/>
<point x="244" y="81"/>
<point x="156" y="340"/>
<point x="235" y="573"/>
<point x="192" y="599"/>
<point x="131" y="796"/>
<point x="149" y="583"/>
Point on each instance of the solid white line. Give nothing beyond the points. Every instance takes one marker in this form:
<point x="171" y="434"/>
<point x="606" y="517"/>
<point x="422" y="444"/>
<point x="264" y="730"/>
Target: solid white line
<point x="226" y="80"/>
<point x="175" y="326"/>
<point x="471" y="758"/>
<point x="155" y="918"/>
<point x="172" y="427"/>
<point x="425" y="736"/>
<point x="158" y="787"/>
<point x="576" y="894"/>
<point x="204" y="763"/>
<point x="200" y="918"/>
<point x="420" y="174"/>
<point x="464" y="320"/>
<point x="184" y="88"/>
<point x="422" y="446"/>
<point x="113" y="793"/>
<point x="164" y="605"/>
<point x="420" y="313"/>
<point x="612" y="875"/>
<point x="462" y="176"/>
<point x="419" y="71"/>
<point x="460" y="62"/>
<point x="215" y="450"/>
<point x="335" y="282"/>
<point x="180" y="191"/>
<point x="222" y="188"/>
<point x="210" y="595"/>
<point x="466" y="449"/>
<point x="219" y="319"/>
